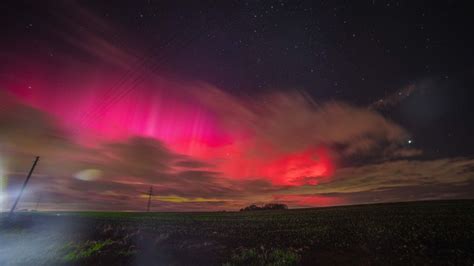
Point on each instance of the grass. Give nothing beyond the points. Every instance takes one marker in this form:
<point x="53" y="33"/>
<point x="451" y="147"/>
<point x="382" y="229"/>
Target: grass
<point x="262" y="256"/>
<point x="440" y="232"/>
<point x="78" y="252"/>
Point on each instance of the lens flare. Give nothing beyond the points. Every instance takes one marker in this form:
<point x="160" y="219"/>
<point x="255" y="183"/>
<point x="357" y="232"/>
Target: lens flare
<point x="88" y="174"/>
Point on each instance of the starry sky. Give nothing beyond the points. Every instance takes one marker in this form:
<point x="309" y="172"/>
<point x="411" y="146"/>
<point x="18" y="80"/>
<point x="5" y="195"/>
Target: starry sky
<point x="220" y="104"/>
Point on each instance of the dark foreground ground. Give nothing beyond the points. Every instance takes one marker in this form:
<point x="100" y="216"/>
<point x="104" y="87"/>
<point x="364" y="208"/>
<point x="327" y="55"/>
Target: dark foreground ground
<point x="439" y="232"/>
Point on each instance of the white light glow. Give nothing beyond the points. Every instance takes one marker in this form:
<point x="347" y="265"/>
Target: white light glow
<point x="88" y="174"/>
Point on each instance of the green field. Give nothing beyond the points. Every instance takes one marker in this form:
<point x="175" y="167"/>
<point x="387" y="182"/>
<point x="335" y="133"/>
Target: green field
<point x="437" y="232"/>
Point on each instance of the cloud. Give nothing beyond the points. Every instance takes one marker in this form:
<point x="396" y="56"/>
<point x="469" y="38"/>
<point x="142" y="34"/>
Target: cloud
<point x="25" y="128"/>
<point x="112" y="175"/>
<point x="178" y="199"/>
<point x="281" y="148"/>
<point x="395" y="98"/>
<point x="140" y="157"/>
<point x="308" y="200"/>
<point x="401" y="173"/>
<point x="269" y="129"/>
<point x="293" y="121"/>
<point x="192" y="164"/>
<point x="93" y="35"/>
<point x="399" y="180"/>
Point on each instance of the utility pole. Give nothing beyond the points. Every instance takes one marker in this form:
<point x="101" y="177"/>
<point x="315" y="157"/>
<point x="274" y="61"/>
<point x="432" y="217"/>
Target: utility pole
<point x="38" y="202"/>
<point x="24" y="185"/>
<point x="149" y="199"/>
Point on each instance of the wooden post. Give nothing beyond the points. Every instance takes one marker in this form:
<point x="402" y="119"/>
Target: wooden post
<point x="150" y="193"/>
<point x="24" y="185"/>
<point x="149" y="199"/>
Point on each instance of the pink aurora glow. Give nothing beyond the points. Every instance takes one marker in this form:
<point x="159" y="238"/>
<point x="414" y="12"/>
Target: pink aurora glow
<point x="95" y="110"/>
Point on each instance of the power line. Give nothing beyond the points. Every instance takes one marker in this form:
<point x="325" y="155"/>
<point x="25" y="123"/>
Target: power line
<point x="151" y="63"/>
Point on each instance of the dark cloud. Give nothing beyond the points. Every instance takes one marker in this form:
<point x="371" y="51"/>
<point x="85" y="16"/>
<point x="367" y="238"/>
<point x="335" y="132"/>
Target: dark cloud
<point x="397" y="181"/>
<point x="424" y="191"/>
<point x="26" y="129"/>
<point x="189" y="163"/>
<point x="138" y="157"/>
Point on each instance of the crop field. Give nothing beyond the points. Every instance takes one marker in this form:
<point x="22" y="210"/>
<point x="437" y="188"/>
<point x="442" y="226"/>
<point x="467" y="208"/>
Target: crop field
<point x="436" y="232"/>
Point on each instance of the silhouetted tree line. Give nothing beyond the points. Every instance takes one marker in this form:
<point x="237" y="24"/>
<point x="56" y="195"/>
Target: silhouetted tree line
<point x="268" y="206"/>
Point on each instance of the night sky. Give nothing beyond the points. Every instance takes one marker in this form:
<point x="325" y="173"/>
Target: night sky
<point x="220" y="104"/>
